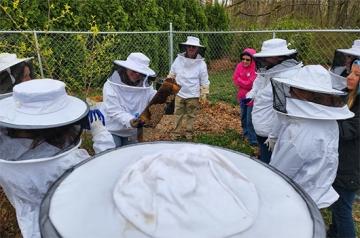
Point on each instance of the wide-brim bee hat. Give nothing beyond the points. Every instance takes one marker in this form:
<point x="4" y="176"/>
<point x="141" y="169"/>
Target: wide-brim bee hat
<point x="7" y="60"/>
<point x="41" y="103"/>
<point x="274" y="47"/>
<point x="310" y="94"/>
<point x="137" y="62"/>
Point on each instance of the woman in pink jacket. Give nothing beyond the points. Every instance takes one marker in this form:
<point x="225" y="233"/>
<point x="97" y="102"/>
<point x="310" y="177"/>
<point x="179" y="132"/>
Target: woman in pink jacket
<point x="243" y="78"/>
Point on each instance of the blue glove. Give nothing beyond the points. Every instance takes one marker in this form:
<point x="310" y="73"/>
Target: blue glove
<point x="95" y="115"/>
<point x="92" y="116"/>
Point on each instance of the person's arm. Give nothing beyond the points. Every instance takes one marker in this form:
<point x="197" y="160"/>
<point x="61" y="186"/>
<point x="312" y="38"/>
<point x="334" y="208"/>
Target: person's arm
<point x="275" y="129"/>
<point x="236" y="76"/>
<point x="349" y="129"/>
<point x="172" y="73"/>
<point x="101" y="137"/>
<point x="204" y="76"/>
<point x="204" y="82"/>
<point x="258" y="82"/>
<point x="116" y="113"/>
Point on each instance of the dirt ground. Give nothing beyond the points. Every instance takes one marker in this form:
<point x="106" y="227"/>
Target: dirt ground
<point x="212" y="118"/>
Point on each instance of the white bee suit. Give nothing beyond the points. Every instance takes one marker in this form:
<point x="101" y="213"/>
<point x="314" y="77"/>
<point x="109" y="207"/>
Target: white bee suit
<point x="263" y="113"/>
<point x="190" y="75"/>
<point x="28" y="174"/>
<point x="307" y="146"/>
<point x="122" y="103"/>
<point x="28" y="171"/>
<point x="295" y="153"/>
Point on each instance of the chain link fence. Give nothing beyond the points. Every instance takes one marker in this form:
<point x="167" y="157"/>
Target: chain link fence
<point x="84" y="59"/>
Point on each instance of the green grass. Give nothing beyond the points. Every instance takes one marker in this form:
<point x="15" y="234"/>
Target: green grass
<point x="230" y="139"/>
<point x="222" y="87"/>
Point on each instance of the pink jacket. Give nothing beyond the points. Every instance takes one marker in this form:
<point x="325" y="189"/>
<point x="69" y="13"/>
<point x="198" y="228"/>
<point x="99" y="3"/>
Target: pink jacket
<point x="244" y="77"/>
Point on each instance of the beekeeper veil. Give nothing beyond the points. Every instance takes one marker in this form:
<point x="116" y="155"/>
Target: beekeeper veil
<point x="39" y="124"/>
<point x="7" y="77"/>
<point x="341" y="64"/>
<point x="309" y="94"/>
<point x="35" y="117"/>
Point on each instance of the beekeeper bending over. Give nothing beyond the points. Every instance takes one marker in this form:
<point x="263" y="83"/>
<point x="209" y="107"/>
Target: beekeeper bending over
<point x="126" y="93"/>
<point x="40" y="136"/>
<point x="307" y="145"/>
<point x="274" y="60"/>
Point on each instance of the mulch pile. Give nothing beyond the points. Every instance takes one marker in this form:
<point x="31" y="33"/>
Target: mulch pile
<point x="212" y="118"/>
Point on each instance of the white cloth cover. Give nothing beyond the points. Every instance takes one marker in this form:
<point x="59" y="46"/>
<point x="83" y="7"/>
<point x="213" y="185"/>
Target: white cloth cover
<point x="82" y="205"/>
<point x="121" y="104"/>
<point x="307" y="152"/>
<point x="179" y="192"/>
<point x="263" y="113"/>
<point x="137" y="62"/>
<point x="41" y="103"/>
<point x="191" y="74"/>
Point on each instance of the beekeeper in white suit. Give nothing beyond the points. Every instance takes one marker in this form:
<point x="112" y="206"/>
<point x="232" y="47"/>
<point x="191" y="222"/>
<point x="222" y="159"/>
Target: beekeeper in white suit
<point x="13" y="70"/>
<point x="40" y="139"/>
<point x="274" y="60"/>
<point x="307" y="145"/>
<point x="190" y="71"/>
<point x="341" y="65"/>
<point x="126" y="94"/>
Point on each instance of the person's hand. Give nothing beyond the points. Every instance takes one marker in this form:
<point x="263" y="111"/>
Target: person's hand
<point x="96" y="122"/>
<point x="96" y="115"/>
<point x="270" y="143"/>
<point x="136" y="123"/>
<point x="204" y="91"/>
<point x="92" y="116"/>
<point x="171" y="75"/>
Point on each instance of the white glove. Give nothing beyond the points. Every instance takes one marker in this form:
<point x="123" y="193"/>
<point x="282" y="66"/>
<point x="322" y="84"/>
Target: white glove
<point x="204" y="91"/>
<point x="171" y="75"/>
<point x="270" y="143"/>
<point x="96" y="127"/>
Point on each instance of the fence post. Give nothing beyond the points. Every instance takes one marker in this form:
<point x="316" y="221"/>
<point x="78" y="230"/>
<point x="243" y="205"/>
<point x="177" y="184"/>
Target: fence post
<point x="274" y="34"/>
<point x="171" y="45"/>
<point x="38" y="54"/>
